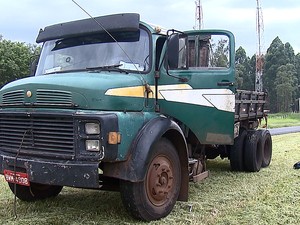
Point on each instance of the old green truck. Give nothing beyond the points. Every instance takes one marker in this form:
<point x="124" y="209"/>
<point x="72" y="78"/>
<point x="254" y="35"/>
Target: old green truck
<point x="117" y="104"/>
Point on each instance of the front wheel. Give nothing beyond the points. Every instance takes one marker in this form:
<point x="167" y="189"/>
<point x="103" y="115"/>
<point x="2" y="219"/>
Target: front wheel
<point x="156" y="195"/>
<point x="35" y="191"/>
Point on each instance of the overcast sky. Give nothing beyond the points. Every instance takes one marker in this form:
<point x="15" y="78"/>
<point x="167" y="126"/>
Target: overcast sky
<point x="21" y="20"/>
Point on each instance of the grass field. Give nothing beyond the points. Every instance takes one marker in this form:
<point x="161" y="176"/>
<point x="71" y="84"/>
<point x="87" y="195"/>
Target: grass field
<point x="283" y="120"/>
<point x="271" y="196"/>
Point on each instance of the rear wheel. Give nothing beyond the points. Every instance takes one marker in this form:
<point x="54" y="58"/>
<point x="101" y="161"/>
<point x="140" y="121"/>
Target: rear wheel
<point x="253" y="152"/>
<point x="34" y="191"/>
<point x="237" y="152"/>
<point x="156" y="196"/>
<point x="266" y="144"/>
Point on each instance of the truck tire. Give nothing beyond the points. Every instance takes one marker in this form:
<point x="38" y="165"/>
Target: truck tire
<point x="237" y="152"/>
<point x="253" y="152"/>
<point x="35" y="191"/>
<point x="156" y="195"/>
<point x="266" y="145"/>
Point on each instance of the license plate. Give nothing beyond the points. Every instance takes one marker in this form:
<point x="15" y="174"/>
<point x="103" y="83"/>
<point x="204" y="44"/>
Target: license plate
<point x="16" y="177"/>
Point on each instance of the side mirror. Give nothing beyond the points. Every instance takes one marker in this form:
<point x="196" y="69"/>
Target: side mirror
<point x="172" y="52"/>
<point x="33" y="66"/>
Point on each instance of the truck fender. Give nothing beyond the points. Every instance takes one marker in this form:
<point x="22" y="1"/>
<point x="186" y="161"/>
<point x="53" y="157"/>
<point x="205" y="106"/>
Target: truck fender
<point x="134" y="168"/>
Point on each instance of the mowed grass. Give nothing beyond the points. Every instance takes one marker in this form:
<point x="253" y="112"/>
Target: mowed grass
<point x="283" y="120"/>
<point x="271" y="196"/>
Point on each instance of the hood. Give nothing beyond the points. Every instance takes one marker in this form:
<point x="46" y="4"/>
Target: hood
<point x="74" y="90"/>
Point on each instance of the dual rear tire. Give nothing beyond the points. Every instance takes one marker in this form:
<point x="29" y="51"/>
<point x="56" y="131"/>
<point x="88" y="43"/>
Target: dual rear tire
<point x="251" y="151"/>
<point x="237" y="152"/>
<point x="267" y="148"/>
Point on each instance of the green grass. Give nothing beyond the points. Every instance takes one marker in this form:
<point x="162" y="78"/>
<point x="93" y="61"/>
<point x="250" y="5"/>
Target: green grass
<point x="283" y="120"/>
<point x="271" y="196"/>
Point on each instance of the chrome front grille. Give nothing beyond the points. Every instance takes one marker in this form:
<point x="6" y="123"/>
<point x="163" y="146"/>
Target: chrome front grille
<point x="38" y="135"/>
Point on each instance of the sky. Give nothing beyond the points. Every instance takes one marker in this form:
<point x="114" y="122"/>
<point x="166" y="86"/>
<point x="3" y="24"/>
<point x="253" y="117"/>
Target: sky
<point x="20" y="20"/>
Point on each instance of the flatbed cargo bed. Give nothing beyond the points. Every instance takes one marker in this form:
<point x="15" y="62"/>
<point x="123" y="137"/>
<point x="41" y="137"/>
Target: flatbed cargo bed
<point x="249" y="105"/>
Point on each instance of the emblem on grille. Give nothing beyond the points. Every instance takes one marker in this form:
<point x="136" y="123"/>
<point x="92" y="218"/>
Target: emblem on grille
<point x="29" y="94"/>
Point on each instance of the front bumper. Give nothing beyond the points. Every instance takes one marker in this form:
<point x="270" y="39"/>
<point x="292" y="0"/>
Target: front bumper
<point x="62" y="173"/>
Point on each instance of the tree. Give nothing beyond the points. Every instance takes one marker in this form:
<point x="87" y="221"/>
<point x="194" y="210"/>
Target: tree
<point x="243" y="70"/>
<point x="286" y="84"/>
<point x="252" y="73"/>
<point x="240" y="69"/>
<point x="278" y="54"/>
<point x="297" y="67"/>
<point x="15" y="58"/>
<point x="289" y="53"/>
<point x="220" y="53"/>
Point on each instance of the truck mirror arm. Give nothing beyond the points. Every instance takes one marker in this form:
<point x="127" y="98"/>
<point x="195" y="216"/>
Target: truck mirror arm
<point x="172" y="54"/>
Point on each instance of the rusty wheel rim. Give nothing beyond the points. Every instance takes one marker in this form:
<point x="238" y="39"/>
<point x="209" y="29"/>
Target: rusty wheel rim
<point x="160" y="180"/>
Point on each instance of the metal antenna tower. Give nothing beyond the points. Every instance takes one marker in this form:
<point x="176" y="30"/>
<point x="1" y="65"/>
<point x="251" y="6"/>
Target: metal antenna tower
<point x="198" y="16"/>
<point x="259" y="53"/>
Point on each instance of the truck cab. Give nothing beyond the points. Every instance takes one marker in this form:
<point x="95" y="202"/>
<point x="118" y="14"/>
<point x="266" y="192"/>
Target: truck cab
<point x="118" y="104"/>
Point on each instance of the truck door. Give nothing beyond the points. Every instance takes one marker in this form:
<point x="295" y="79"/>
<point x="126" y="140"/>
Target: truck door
<point x="196" y="85"/>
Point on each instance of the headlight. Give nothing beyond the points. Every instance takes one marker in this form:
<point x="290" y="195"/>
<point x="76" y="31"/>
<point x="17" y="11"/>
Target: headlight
<point x="92" y="128"/>
<point x="92" y="145"/>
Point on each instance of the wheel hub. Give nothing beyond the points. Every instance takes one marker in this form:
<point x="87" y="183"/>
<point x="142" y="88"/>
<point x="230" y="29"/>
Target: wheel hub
<point x="159" y="183"/>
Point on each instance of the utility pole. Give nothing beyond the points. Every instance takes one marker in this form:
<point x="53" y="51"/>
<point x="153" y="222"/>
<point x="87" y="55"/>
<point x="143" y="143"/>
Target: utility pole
<point x="198" y="16"/>
<point x="259" y="53"/>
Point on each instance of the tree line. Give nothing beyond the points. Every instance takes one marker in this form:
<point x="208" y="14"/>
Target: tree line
<point x="15" y="59"/>
<point x="281" y="73"/>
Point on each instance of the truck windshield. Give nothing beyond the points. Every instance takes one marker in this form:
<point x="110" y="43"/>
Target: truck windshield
<point x="131" y="53"/>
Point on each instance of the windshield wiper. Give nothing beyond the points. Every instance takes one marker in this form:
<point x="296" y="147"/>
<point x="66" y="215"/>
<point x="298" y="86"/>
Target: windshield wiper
<point x="64" y="71"/>
<point x="109" y="68"/>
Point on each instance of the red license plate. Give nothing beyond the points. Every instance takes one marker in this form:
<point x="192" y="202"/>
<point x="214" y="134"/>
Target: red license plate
<point x="16" y="177"/>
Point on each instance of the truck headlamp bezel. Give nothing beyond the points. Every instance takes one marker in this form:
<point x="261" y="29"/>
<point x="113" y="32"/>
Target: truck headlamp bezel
<point x="92" y="145"/>
<point x="92" y="128"/>
<point x="106" y="123"/>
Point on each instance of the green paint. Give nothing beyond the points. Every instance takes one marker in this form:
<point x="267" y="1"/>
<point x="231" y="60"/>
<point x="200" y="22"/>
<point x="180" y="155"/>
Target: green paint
<point x="211" y="126"/>
<point x="130" y="124"/>
<point x="87" y="91"/>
